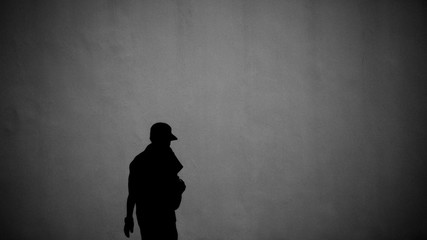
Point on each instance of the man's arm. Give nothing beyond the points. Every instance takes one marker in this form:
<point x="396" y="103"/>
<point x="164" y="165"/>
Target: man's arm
<point x="130" y="204"/>
<point x="132" y="192"/>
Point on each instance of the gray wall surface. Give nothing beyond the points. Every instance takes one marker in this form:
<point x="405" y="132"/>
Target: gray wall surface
<point x="296" y="119"/>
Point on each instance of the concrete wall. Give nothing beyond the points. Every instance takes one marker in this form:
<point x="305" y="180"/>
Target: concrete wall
<point x="296" y="119"/>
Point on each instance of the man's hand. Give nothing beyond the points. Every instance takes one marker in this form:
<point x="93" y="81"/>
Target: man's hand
<point x="128" y="226"/>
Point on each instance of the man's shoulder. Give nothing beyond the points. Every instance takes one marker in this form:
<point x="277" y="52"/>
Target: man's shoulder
<point x="137" y="161"/>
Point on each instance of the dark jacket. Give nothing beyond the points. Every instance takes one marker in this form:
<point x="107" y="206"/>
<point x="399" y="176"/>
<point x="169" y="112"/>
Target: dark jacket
<point x="154" y="182"/>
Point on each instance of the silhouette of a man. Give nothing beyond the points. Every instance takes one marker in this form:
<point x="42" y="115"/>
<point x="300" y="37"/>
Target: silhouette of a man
<point x="155" y="188"/>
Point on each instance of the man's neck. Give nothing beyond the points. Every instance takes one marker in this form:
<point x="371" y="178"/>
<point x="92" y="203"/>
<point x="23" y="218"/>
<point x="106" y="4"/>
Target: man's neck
<point x="159" y="145"/>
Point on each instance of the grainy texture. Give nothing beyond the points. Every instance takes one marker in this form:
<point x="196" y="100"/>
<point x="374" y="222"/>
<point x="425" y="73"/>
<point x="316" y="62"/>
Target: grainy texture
<point x="296" y="119"/>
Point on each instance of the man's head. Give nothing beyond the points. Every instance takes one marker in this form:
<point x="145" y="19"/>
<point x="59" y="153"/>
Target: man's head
<point x="161" y="133"/>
